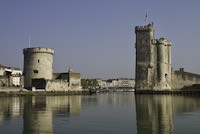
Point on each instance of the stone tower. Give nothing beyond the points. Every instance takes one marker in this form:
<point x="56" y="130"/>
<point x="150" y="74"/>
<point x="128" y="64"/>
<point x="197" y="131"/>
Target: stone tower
<point x="153" y="60"/>
<point x="145" y="57"/>
<point x="164" y="64"/>
<point x="38" y="63"/>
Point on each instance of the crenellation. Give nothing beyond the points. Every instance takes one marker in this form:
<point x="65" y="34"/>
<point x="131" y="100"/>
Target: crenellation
<point x="163" y="41"/>
<point x="149" y="27"/>
<point x="142" y="29"/>
<point x="38" y="50"/>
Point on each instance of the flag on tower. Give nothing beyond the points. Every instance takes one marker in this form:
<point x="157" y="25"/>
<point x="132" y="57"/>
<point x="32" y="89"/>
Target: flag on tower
<point x="146" y="17"/>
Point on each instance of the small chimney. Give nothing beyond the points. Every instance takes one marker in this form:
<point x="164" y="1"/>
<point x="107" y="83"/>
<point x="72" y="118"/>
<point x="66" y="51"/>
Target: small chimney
<point x="182" y="69"/>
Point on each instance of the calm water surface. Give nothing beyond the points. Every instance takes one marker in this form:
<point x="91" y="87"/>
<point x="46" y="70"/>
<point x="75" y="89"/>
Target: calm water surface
<point x="110" y="113"/>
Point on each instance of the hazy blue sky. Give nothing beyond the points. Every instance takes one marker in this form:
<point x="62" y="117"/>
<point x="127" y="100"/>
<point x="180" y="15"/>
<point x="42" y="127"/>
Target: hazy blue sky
<point x="97" y="37"/>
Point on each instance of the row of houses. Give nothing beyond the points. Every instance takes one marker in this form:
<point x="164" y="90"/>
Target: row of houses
<point x="13" y="77"/>
<point x="116" y="83"/>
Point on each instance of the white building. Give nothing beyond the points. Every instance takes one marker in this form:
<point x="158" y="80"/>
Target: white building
<point x="16" y="80"/>
<point x="13" y="73"/>
<point x="125" y="83"/>
<point x="116" y="83"/>
<point x="2" y="72"/>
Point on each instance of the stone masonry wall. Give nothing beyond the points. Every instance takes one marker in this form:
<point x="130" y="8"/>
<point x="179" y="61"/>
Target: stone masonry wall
<point x="57" y="85"/>
<point x="75" y="81"/>
<point x="181" y="79"/>
<point x="4" y="81"/>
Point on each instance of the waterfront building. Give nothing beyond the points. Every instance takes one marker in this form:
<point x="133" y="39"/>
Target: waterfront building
<point x="10" y="76"/>
<point x="102" y="83"/>
<point x="125" y="83"/>
<point x="116" y="83"/>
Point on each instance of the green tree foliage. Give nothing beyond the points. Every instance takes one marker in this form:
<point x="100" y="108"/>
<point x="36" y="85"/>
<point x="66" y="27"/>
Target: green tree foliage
<point x="89" y="83"/>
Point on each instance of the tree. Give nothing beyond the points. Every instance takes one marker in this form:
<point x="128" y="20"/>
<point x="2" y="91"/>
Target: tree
<point x="89" y="83"/>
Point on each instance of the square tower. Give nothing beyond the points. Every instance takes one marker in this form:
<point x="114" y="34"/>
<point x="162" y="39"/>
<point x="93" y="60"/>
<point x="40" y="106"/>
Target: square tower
<point x="153" y="61"/>
<point x="146" y="54"/>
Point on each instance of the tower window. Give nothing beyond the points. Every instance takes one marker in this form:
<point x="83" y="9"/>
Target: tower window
<point x="38" y="61"/>
<point x="35" y="71"/>
<point x="165" y="76"/>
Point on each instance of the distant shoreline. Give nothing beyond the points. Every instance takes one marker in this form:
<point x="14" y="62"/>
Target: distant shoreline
<point x="17" y="91"/>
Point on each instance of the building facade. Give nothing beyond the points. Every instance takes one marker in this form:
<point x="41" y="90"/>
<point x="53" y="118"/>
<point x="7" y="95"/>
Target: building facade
<point x="11" y="76"/>
<point x="120" y="83"/>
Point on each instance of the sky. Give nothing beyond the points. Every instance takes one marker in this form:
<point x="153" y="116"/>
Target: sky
<point x="96" y="37"/>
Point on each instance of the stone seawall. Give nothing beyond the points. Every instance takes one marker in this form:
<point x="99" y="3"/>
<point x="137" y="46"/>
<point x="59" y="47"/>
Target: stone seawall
<point x="57" y="85"/>
<point x="181" y="79"/>
<point x="4" y="92"/>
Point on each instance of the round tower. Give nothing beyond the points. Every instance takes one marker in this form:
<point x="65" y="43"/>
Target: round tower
<point x="164" y="63"/>
<point x="38" y="63"/>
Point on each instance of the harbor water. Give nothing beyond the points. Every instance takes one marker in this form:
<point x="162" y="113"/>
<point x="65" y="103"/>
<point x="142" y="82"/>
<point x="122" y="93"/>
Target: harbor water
<point x="103" y="113"/>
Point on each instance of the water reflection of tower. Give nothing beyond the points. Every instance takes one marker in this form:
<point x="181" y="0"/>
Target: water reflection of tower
<point x="154" y="114"/>
<point x="40" y="110"/>
<point x="37" y="119"/>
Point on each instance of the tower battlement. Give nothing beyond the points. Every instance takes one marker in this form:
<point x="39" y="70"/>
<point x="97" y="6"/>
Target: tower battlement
<point x="38" y="50"/>
<point x="164" y="41"/>
<point x="149" y="27"/>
